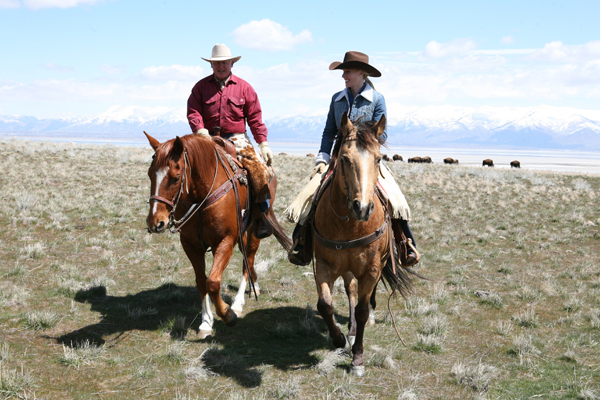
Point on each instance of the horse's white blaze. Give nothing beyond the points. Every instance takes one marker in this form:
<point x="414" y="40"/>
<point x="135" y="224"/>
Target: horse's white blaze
<point x="160" y="176"/>
<point x="207" y="315"/>
<point x="363" y="175"/>
<point x="240" y="298"/>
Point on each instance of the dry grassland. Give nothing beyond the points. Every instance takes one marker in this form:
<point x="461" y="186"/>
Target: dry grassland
<point x="93" y="307"/>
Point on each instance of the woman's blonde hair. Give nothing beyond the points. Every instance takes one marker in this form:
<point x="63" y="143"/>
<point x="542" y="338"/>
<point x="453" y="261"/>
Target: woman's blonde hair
<point x="367" y="79"/>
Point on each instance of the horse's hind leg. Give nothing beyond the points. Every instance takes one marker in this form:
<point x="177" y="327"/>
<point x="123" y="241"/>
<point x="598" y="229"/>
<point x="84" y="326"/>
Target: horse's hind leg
<point x="372" y="304"/>
<point x="251" y="244"/>
<point x="351" y="286"/>
<point x="325" y="304"/>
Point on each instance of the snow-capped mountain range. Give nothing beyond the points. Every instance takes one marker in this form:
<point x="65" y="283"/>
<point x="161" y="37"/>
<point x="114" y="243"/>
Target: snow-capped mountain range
<point x="531" y="127"/>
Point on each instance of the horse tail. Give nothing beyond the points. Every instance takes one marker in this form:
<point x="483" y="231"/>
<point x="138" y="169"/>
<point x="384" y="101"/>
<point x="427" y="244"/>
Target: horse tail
<point x="398" y="278"/>
<point x="279" y="232"/>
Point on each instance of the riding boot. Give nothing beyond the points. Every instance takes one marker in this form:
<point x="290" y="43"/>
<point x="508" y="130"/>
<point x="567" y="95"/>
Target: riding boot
<point x="302" y="251"/>
<point x="405" y="242"/>
<point x="262" y="226"/>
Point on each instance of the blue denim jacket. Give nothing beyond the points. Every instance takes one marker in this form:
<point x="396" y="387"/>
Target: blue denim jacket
<point x="369" y="105"/>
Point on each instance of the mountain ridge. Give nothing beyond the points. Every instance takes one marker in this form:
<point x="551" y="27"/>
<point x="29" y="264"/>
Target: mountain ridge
<point x="539" y="127"/>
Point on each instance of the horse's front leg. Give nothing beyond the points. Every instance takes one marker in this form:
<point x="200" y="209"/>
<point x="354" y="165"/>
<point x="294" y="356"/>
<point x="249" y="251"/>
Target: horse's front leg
<point x="324" y="282"/>
<point x="198" y="262"/>
<point x="222" y="254"/>
<point x="366" y="285"/>
<point x="251" y="244"/>
<point x="351" y="286"/>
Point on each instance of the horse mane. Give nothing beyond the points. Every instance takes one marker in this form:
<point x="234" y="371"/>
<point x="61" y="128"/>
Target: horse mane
<point x="365" y="135"/>
<point x="196" y="148"/>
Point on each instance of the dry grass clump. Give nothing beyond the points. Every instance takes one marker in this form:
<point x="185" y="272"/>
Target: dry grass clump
<point x="15" y="383"/>
<point x="330" y="361"/>
<point x="477" y="377"/>
<point x="40" y="320"/>
<point x="80" y="270"/>
<point x="84" y="353"/>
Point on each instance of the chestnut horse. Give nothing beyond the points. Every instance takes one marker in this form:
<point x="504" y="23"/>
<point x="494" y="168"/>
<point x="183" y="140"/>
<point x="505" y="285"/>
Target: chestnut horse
<point x="353" y="234"/>
<point x="195" y="190"/>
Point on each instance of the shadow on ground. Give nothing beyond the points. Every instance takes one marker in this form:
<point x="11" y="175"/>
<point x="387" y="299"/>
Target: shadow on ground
<point x="282" y="337"/>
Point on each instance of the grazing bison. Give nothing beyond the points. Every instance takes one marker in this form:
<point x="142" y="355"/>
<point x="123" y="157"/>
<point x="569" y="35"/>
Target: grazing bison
<point x="385" y="157"/>
<point x="488" y="162"/>
<point x="397" y="157"/>
<point x="426" y="160"/>
<point x="310" y="155"/>
<point x="515" y="164"/>
<point x="414" y="160"/>
<point x="283" y="154"/>
<point x="450" y="161"/>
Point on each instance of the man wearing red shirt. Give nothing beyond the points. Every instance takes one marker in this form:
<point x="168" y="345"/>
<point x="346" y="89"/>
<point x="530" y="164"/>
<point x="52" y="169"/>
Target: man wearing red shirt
<point x="222" y="104"/>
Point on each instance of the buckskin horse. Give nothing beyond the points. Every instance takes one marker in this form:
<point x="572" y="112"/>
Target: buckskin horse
<point x="196" y="191"/>
<point x="353" y="234"/>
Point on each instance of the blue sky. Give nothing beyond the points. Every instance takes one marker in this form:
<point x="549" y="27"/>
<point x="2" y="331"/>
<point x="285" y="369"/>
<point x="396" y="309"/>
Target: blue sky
<point x="64" y="58"/>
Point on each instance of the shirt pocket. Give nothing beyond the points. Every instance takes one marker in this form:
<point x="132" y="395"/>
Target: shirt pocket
<point x="236" y="108"/>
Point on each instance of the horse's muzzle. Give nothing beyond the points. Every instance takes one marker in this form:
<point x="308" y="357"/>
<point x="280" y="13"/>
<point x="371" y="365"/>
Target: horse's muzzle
<point x="157" y="227"/>
<point x="362" y="212"/>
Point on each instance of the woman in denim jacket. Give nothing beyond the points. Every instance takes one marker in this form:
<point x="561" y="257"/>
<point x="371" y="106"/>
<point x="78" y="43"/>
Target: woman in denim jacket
<point x="362" y="103"/>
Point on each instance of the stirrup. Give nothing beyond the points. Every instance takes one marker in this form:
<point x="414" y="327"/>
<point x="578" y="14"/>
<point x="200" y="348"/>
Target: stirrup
<point x="412" y="259"/>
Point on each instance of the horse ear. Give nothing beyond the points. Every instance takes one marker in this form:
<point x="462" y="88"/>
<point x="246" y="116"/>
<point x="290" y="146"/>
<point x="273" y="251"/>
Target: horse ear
<point x="345" y="123"/>
<point x="153" y="142"/>
<point x="177" y="148"/>
<point x="380" y="126"/>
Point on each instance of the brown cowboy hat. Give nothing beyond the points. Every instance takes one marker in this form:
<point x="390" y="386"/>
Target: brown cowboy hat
<point x="356" y="60"/>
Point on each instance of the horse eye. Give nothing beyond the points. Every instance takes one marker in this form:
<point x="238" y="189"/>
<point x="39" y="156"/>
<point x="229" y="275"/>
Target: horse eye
<point x="345" y="159"/>
<point x="378" y="160"/>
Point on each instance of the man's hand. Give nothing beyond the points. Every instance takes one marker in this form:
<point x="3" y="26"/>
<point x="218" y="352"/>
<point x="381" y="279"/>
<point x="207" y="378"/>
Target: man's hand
<point x="202" y="132"/>
<point x="319" y="169"/>
<point x="266" y="153"/>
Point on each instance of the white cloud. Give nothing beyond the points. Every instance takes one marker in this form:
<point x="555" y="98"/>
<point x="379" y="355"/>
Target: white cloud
<point x="37" y="4"/>
<point x="174" y="73"/>
<point x="10" y="4"/>
<point x="559" y="52"/>
<point x="507" y="40"/>
<point x="457" y="47"/>
<point x="267" y="35"/>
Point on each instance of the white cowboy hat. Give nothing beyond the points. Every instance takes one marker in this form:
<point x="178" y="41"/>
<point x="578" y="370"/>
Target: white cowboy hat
<point x="220" y="52"/>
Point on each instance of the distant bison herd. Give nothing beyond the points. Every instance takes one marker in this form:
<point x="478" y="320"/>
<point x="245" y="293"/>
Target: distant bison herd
<point x="488" y="162"/>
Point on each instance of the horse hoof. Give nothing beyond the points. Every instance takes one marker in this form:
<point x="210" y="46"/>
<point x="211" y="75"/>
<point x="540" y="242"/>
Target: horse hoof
<point x="348" y="345"/>
<point x="233" y="320"/>
<point x="203" y="335"/>
<point x="351" y="340"/>
<point x="358" y="371"/>
<point x="237" y="311"/>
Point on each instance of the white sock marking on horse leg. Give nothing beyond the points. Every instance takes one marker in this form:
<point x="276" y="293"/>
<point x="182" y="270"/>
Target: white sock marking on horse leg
<point x="207" y="315"/>
<point x="240" y="298"/>
<point x="160" y="176"/>
<point x="371" y="315"/>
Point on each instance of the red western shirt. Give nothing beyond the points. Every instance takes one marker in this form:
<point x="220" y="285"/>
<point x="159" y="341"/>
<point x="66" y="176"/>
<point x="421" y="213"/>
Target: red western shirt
<point x="229" y="108"/>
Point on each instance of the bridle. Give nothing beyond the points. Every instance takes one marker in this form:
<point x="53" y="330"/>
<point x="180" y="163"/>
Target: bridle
<point x="175" y="225"/>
